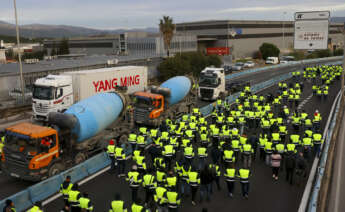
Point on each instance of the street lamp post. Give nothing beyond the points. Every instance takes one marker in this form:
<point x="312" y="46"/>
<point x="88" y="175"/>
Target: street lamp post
<point x="19" y="54"/>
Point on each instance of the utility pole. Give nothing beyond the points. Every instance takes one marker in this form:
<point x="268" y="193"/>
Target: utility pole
<point x="284" y="30"/>
<point x="19" y="54"/>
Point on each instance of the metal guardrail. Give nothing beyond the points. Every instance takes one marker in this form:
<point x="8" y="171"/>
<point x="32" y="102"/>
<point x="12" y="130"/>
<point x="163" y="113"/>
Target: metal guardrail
<point x="50" y="186"/>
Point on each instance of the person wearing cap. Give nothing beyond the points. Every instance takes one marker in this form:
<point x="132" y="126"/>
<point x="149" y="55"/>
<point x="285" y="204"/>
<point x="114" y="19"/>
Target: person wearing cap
<point x="73" y="198"/>
<point x="134" y="180"/>
<point x="36" y="208"/>
<point x="65" y="188"/>
<point x="9" y="207"/>
<point x="111" y="151"/>
<point x="118" y="205"/>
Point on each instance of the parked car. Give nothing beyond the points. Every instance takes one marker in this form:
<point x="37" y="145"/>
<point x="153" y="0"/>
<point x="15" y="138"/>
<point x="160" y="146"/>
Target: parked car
<point x="249" y="64"/>
<point x="272" y="60"/>
<point x="238" y="66"/>
<point x="286" y="59"/>
<point x="227" y="69"/>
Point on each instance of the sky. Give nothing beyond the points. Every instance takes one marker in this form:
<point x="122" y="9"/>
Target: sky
<point x="126" y="14"/>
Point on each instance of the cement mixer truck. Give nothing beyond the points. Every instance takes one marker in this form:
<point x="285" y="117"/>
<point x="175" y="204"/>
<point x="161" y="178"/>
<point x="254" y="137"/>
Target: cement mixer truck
<point x="34" y="152"/>
<point x="171" y="99"/>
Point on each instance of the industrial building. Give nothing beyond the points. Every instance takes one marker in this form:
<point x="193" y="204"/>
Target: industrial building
<point x="245" y="37"/>
<point x="131" y="43"/>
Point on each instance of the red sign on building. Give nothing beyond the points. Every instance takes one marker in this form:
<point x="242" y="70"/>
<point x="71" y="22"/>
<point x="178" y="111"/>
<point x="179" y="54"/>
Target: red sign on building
<point x="218" y="50"/>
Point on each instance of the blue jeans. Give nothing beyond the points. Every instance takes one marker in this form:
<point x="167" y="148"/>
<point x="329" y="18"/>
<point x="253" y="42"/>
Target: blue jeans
<point x="245" y="189"/>
<point x="185" y="188"/>
<point x="205" y="190"/>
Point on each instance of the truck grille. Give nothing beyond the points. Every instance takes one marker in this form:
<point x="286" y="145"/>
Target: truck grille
<point x="206" y="93"/>
<point x="15" y="162"/>
<point x="140" y="115"/>
<point x="41" y="108"/>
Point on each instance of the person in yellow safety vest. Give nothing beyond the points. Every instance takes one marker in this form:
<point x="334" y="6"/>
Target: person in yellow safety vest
<point x="262" y="141"/>
<point x="194" y="182"/>
<point x="36" y="208"/>
<point x="120" y="157"/>
<point x="304" y="116"/>
<point x="230" y="174"/>
<point x="234" y="134"/>
<point x="173" y="200"/>
<point x="244" y="175"/>
<point x="153" y="134"/>
<point x="171" y="181"/>
<point x="65" y="187"/>
<point x="174" y="142"/>
<point x="164" y="138"/>
<point x="308" y="124"/>
<point x="243" y="139"/>
<point x="188" y="153"/>
<point x="228" y="158"/>
<point x="137" y="206"/>
<point x="160" y="197"/>
<point x="132" y="139"/>
<point x="291" y="148"/>
<point x="317" y="141"/>
<point x="204" y="140"/>
<point x="159" y="163"/>
<point x="296" y="99"/>
<point x="247" y="152"/>
<point x="296" y="122"/>
<point x="265" y="125"/>
<point x="149" y="183"/>
<point x="275" y="138"/>
<point x="143" y="131"/>
<point x="73" y="198"/>
<point x="308" y="133"/>
<point x="141" y="164"/>
<point x="161" y="176"/>
<point x="268" y="150"/>
<point x="286" y="112"/>
<point x="133" y="177"/>
<point x="307" y="144"/>
<point x="168" y="152"/>
<point x="189" y="134"/>
<point x="202" y="155"/>
<point x="2" y="143"/>
<point x="110" y="152"/>
<point x="235" y="145"/>
<point x="85" y="203"/>
<point x="196" y="112"/>
<point x="185" y="118"/>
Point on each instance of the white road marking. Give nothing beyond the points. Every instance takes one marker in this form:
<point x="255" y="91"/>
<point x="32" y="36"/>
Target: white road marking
<point x="300" y="106"/>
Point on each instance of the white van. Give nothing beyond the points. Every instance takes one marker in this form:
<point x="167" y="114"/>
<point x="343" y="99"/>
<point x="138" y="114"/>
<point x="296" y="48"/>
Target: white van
<point x="272" y="60"/>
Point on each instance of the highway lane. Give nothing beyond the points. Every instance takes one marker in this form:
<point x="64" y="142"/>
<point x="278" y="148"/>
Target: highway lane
<point x="265" y="194"/>
<point x="11" y="186"/>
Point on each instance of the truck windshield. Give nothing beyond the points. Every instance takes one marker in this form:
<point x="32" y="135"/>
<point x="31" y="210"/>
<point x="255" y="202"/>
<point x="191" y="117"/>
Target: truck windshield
<point x="141" y="101"/>
<point x="208" y="81"/>
<point x="21" y="143"/>
<point x="43" y="92"/>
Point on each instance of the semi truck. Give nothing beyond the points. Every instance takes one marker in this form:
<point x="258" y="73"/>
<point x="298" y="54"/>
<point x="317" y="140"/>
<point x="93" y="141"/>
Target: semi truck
<point x="171" y="99"/>
<point x="35" y="152"/>
<point x="56" y="93"/>
<point x="212" y="84"/>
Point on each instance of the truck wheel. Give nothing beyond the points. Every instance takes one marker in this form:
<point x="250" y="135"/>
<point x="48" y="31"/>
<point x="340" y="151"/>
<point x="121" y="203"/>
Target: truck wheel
<point x="80" y="157"/>
<point x="55" y="169"/>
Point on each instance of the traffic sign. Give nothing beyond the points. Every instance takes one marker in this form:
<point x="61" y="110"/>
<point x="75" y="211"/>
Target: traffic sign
<point x="311" y="30"/>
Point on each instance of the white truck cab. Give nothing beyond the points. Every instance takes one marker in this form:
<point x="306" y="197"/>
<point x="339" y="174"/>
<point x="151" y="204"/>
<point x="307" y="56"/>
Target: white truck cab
<point x="53" y="93"/>
<point x="211" y="83"/>
<point x="272" y="60"/>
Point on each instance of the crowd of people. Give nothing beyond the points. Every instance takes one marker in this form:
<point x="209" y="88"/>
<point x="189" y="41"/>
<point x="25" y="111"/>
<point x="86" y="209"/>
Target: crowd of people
<point x="190" y="155"/>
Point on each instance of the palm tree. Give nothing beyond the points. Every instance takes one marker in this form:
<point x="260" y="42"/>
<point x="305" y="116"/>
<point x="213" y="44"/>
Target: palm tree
<point x="167" y="28"/>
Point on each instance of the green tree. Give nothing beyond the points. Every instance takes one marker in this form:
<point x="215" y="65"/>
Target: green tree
<point x="167" y="28"/>
<point x="269" y="50"/>
<point x="214" y="60"/>
<point x="63" y="47"/>
<point x="338" y="52"/>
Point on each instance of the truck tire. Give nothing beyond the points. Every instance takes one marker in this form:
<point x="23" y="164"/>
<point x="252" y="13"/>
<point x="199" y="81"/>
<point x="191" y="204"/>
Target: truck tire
<point x="79" y="158"/>
<point x="55" y="169"/>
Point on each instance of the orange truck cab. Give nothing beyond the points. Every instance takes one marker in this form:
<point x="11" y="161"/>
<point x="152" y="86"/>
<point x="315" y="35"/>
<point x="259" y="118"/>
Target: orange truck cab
<point x="30" y="151"/>
<point x="148" y="106"/>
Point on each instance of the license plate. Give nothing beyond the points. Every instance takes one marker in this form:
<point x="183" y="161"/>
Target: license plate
<point x="14" y="175"/>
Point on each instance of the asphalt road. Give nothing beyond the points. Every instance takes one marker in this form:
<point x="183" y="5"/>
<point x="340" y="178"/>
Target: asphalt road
<point x="265" y="194"/>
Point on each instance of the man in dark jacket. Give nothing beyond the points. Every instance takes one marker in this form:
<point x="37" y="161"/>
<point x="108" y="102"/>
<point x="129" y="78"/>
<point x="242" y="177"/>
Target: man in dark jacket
<point x="253" y="141"/>
<point x="301" y="166"/>
<point x="206" y="180"/>
<point x="215" y="154"/>
<point x="290" y="166"/>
